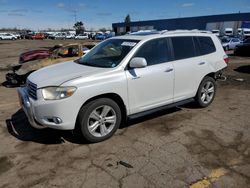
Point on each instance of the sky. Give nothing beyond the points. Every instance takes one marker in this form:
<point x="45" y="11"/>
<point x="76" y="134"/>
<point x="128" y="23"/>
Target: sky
<point x="96" y="14"/>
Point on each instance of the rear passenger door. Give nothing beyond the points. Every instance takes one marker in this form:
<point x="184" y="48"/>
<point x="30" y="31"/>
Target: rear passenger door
<point x="190" y="64"/>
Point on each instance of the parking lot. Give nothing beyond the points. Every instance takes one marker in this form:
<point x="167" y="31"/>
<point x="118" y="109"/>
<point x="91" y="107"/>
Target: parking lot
<point x="181" y="147"/>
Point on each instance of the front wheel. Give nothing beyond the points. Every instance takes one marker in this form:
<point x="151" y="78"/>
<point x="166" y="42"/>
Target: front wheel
<point x="206" y="92"/>
<point x="99" y="119"/>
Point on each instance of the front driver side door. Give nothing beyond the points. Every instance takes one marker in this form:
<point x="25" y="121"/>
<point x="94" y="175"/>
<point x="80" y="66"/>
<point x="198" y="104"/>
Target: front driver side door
<point x="151" y="86"/>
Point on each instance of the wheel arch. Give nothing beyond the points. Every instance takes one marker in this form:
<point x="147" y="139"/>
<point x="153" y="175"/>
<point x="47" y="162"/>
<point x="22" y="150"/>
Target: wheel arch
<point x="211" y="74"/>
<point x="113" y="96"/>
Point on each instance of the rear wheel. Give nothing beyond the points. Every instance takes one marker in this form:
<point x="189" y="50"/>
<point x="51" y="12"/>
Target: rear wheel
<point x="206" y="92"/>
<point x="99" y="119"/>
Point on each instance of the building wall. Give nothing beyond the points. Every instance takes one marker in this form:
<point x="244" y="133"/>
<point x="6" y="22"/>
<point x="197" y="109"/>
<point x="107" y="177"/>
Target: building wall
<point x="203" y="22"/>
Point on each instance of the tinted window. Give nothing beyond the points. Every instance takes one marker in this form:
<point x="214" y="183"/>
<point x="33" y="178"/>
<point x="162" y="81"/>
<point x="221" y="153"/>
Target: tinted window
<point x="206" y="45"/>
<point x="183" y="47"/>
<point x="154" y="51"/>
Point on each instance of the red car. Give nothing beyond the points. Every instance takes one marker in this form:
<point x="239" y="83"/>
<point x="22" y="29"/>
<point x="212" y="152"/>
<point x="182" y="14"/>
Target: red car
<point x="34" y="55"/>
<point x="38" y="36"/>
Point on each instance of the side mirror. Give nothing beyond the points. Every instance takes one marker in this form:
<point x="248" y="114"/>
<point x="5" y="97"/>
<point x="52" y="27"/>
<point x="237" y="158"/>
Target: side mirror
<point x="138" y="62"/>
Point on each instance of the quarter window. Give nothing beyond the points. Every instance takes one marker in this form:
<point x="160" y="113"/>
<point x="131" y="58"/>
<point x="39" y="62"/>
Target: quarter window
<point x="206" y="45"/>
<point x="155" y="51"/>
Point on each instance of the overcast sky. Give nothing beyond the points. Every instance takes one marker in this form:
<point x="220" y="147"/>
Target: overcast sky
<point x="56" y="14"/>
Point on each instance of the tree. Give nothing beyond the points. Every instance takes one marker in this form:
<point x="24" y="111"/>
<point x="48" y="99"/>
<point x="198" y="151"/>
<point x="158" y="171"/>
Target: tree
<point x="127" y="19"/>
<point x="79" y="27"/>
<point x="127" y="23"/>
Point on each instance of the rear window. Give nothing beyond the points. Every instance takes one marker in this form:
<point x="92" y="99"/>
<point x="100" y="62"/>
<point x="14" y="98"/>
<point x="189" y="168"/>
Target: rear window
<point x="206" y="45"/>
<point x="183" y="47"/>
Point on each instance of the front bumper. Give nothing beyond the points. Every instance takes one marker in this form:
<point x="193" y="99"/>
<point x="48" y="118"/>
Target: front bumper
<point x="27" y="108"/>
<point x="42" y="114"/>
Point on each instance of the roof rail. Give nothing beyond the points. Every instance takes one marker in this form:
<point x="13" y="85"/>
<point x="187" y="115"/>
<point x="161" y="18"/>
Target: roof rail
<point x="184" y="31"/>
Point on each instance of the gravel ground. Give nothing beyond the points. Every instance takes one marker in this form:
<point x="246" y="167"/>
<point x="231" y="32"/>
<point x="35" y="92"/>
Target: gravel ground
<point x="180" y="147"/>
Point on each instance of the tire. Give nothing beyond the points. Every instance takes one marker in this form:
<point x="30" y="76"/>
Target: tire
<point x="206" y="92"/>
<point x="103" y="116"/>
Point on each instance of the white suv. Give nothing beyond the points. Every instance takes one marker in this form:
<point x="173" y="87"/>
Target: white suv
<point x="7" y="36"/>
<point x="124" y="77"/>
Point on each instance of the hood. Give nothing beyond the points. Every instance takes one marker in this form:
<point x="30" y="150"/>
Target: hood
<point x="57" y="74"/>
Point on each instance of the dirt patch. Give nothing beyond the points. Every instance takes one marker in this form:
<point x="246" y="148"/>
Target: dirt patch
<point x="5" y="164"/>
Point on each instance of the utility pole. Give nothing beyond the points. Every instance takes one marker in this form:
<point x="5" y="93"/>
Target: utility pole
<point x="75" y="15"/>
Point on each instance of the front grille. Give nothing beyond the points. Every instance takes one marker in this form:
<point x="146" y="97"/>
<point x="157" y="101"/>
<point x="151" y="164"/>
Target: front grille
<point x="32" y="88"/>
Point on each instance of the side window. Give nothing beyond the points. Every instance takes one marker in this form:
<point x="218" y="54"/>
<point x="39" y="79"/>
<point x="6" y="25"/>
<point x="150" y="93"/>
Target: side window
<point x="206" y="45"/>
<point x="155" y="51"/>
<point x="183" y="47"/>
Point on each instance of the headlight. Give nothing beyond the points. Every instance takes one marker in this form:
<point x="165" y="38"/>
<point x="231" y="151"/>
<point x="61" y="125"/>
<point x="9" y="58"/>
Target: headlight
<point x="55" y="93"/>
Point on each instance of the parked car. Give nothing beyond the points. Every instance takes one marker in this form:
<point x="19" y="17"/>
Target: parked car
<point x="100" y="36"/>
<point x="230" y="43"/>
<point x="60" y="36"/>
<point x="28" y="35"/>
<point x="39" y="36"/>
<point x="70" y="36"/>
<point x="7" y="36"/>
<point x="17" y="35"/>
<point x="81" y="36"/>
<point x="27" y="60"/>
<point x="124" y="77"/>
<point x="243" y="49"/>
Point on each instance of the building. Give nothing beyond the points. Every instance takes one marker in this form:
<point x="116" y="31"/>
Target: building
<point x="214" y="22"/>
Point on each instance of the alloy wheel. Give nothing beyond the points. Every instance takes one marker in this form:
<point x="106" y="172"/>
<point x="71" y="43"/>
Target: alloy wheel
<point x="101" y="121"/>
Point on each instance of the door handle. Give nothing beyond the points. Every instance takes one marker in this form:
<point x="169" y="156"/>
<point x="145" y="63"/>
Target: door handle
<point x="136" y="77"/>
<point x="201" y="63"/>
<point x="169" y="70"/>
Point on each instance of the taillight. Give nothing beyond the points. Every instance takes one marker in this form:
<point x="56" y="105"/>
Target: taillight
<point x="226" y="59"/>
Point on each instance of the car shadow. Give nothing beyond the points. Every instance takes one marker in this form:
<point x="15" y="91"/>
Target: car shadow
<point x="10" y="85"/>
<point x="243" y="69"/>
<point x="19" y="127"/>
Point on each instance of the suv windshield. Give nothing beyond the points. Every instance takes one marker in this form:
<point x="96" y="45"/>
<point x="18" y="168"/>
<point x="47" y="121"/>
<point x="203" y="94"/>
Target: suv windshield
<point x="108" y="54"/>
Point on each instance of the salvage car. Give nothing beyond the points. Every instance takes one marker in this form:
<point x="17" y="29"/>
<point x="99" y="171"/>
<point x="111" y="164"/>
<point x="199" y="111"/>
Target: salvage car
<point x="124" y="77"/>
<point x="36" y="59"/>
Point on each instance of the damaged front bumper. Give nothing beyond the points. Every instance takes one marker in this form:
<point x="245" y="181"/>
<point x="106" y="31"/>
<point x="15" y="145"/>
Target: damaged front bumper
<point x="27" y="107"/>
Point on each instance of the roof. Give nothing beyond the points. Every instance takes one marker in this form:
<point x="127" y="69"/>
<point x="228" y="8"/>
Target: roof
<point x="162" y="34"/>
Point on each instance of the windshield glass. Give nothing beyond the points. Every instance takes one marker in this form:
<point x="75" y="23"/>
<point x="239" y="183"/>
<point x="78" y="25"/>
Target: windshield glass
<point x="108" y="54"/>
